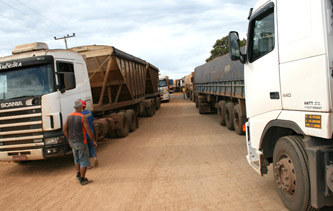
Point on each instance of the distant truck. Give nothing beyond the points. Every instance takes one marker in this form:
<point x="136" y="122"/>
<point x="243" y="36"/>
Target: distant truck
<point x="171" y="86"/>
<point x="219" y="87"/>
<point x="288" y="73"/>
<point x="189" y="86"/>
<point x="164" y="88"/>
<point x="38" y="87"/>
<point x="177" y="85"/>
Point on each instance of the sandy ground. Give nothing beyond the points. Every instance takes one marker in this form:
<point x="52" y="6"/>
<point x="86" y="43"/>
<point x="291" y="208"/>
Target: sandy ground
<point x="176" y="160"/>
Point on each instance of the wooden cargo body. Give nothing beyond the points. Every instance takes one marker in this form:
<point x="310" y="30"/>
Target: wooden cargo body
<point x="189" y="81"/>
<point x="118" y="79"/>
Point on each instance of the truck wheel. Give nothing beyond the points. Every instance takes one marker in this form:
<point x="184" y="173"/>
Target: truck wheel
<point x="203" y="106"/>
<point x="229" y="116"/>
<point x="158" y="103"/>
<point x="238" y="122"/>
<point x="132" y="119"/>
<point x="290" y="166"/>
<point x="196" y="100"/>
<point x="123" y="132"/>
<point x="221" y="107"/>
<point x="149" y="111"/>
<point x="153" y="107"/>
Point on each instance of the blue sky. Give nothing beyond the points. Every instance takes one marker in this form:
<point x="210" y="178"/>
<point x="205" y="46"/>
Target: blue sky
<point x="174" y="35"/>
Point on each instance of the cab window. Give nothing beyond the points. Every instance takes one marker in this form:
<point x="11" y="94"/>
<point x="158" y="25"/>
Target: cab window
<point x="262" y="35"/>
<point x="66" y="77"/>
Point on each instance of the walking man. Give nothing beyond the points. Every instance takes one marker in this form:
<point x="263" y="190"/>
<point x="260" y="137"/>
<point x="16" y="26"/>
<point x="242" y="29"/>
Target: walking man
<point x="90" y="117"/>
<point x="75" y="128"/>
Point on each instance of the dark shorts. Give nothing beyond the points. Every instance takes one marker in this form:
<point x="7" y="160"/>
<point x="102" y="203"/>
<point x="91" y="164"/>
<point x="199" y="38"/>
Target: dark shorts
<point x="81" y="154"/>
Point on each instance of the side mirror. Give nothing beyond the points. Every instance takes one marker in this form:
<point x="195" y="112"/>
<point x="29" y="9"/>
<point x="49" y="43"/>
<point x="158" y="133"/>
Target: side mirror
<point x="234" y="47"/>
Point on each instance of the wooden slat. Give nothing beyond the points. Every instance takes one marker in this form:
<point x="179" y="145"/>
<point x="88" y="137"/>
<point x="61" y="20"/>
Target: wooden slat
<point x="108" y="83"/>
<point x="118" y="93"/>
<point x="98" y="53"/>
<point x="135" y="79"/>
<point x="107" y="107"/>
<point x="109" y="94"/>
<point x="132" y="75"/>
<point x="105" y="81"/>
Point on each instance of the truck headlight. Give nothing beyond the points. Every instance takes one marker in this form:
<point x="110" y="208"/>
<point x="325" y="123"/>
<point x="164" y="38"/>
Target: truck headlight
<point x="54" y="140"/>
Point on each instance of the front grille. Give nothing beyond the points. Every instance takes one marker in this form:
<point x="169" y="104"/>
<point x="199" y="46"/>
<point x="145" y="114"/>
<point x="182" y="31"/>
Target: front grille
<point x="21" y="128"/>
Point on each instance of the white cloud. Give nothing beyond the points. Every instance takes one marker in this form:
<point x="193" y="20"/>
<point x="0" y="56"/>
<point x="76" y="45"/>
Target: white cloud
<point x="175" y="36"/>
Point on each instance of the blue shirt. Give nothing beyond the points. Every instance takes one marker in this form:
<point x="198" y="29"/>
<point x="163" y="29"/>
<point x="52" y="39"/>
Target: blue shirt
<point x="90" y="118"/>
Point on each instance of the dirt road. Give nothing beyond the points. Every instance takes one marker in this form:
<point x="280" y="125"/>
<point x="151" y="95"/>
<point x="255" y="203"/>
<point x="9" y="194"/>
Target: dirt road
<point x="176" y="160"/>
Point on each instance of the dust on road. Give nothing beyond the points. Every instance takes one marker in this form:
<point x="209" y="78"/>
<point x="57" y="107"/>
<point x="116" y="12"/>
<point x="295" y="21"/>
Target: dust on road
<point x="176" y="160"/>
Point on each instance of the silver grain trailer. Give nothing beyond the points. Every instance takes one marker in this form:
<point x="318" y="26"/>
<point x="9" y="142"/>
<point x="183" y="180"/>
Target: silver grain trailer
<point x="219" y="87"/>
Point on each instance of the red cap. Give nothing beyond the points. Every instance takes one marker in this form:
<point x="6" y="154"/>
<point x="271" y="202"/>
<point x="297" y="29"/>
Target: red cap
<point x="84" y="104"/>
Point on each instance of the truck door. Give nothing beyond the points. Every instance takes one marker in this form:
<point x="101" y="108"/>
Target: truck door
<point x="262" y="82"/>
<point x="66" y="85"/>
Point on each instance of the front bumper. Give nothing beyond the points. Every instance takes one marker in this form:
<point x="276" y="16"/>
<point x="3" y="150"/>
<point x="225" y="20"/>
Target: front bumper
<point x="165" y="97"/>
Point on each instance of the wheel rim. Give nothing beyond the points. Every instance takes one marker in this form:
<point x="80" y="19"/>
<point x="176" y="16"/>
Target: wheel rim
<point x="286" y="175"/>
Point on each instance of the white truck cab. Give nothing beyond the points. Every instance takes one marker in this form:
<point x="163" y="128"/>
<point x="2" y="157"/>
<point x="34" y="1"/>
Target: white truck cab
<point x="37" y="89"/>
<point x="164" y="88"/>
<point x="288" y="73"/>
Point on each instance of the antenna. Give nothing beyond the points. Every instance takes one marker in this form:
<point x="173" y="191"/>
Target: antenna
<point x="65" y="38"/>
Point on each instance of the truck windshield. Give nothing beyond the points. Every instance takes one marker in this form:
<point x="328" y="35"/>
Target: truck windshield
<point x="29" y="81"/>
<point x="162" y="83"/>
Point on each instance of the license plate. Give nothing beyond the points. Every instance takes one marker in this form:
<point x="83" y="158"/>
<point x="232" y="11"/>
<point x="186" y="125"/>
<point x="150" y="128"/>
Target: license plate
<point x="19" y="157"/>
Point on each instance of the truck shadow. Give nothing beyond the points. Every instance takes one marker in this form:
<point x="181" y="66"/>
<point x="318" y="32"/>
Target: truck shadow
<point x="40" y="167"/>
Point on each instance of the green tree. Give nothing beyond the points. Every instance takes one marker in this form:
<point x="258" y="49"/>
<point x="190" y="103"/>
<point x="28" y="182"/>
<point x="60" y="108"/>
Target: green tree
<point x="221" y="47"/>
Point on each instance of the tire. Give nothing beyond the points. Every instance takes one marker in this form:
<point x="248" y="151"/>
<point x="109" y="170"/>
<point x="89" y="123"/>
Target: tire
<point x="158" y="103"/>
<point x="123" y="132"/>
<point x="221" y="107"/>
<point x="203" y="105"/>
<point x="153" y="107"/>
<point x="149" y="111"/>
<point x="237" y="120"/>
<point x="229" y="116"/>
<point x="290" y="159"/>
<point x="196" y="100"/>
<point x="132" y="120"/>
